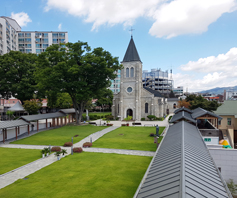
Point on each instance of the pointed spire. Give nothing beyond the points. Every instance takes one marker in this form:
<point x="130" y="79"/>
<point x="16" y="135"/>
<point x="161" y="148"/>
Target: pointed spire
<point x="131" y="53"/>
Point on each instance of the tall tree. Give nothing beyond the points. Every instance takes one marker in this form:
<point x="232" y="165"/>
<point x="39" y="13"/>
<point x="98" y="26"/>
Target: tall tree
<point x="105" y="98"/>
<point x="76" y="70"/>
<point x="16" y="75"/>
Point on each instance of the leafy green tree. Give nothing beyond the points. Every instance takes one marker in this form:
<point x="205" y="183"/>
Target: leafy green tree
<point x="64" y="101"/>
<point x="199" y="101"/>
<point x="10" y="114"/>
<point x="16" y="75"/>
<point x="76" y="70"/>
<point x="105" y="97"/>
<point x="32" y="106"/>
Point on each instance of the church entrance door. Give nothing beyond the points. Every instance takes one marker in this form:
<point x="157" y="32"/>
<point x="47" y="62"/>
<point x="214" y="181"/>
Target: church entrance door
<point x="129" y="112"/>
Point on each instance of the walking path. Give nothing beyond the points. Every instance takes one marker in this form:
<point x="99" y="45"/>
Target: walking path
<point x="23" y="171"/>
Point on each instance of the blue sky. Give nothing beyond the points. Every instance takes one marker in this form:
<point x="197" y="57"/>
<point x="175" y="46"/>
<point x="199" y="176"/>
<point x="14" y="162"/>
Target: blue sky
<point x="197" y="38"/>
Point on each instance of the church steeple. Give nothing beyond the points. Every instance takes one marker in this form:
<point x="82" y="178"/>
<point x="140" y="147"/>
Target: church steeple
<point x="131" y="53"/>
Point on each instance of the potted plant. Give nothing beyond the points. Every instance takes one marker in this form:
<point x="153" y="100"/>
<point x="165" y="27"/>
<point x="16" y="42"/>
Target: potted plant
<point x="43" y="153"/>
<point x="64" y="151"/>
<point x="46" y="151"/>
<point x="57" y="154"/>
<point x="128" y="119"/>
<point x="108" y="123"/>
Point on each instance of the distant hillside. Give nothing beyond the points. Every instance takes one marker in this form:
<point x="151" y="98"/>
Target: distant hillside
<point x="219" y="90"/>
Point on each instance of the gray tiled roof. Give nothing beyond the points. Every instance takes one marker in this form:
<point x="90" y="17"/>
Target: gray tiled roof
<point x="183" y="109"/>
<point x="42" y="116"/>
<point x="198" y="112"/>
<point x="17" y="107"/>
<point x="182" y="115"/>
<point x="10" y="124"/>
<point x="154" y="92"/>
<point x="67" y="111"/>
<point x="183" y="167"/>
<point x="131" y="53"/>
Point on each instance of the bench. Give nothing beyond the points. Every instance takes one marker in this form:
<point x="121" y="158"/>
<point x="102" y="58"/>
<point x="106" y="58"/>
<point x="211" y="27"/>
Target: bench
<point x="136" y="123"/>
<point x="93" y="123"/>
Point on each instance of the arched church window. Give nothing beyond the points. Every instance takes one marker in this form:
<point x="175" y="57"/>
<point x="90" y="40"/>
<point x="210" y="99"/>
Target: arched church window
<point x="146" y="107"/>
<point x="127" y="72"/>
<point x="132" y="72"/>
<point x="174" y="106"/>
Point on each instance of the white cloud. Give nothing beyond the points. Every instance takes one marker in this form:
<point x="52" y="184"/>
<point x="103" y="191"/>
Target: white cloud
<point x="222" y="62"/>
<point x="22" y="18"/>
<point x="60" y="26"/>
<point x="209" y="72"/>
<point x="171" y="18"/>
<point x="180" y="17"/>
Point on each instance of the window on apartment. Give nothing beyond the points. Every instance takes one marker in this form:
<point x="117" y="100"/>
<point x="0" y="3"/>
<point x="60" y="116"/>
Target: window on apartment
<point x="20" y="34"/>
<point x="132" y="72"/>
<point x="45" y="45"/>
<point x="146" y="107"/>
<point x="127" y="72"/>
<point x="55" y="35"/>
<point x="55" y="41"/>
<point x="61" y="34"/>
<point x="27" y="34"/>
<point x="37" y="45"/>
<point x="228" y="121"/>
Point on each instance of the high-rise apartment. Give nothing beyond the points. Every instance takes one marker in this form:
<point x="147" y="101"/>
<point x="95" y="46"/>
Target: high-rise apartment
<point x="12" y="38"/>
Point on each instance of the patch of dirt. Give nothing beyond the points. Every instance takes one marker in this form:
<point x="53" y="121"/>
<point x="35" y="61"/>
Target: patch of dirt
<point x="120" y="134"/>
<point x="76" y="135"/>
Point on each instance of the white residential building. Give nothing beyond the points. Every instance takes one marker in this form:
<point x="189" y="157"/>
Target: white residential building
<point x="12" y="38"/>
<point x="8" y="35"/>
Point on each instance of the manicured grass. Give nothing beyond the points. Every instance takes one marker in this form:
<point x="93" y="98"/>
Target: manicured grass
<point x="12" y="158"/>
<point x="132" y="138"/>
<point x="59" y="136"/>
<point x="84" y="175"/>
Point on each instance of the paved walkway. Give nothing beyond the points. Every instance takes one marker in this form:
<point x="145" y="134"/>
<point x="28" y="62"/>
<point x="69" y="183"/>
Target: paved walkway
<point x="23" y="171"/>
<point x="120" y="151"/>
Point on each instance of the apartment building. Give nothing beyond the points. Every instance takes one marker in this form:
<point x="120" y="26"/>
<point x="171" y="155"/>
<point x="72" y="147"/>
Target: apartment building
<point x="12" y="38"/>
<point x="8" y="35"/>
<point x="115" y="84"/>
<point x="37" y="42"/>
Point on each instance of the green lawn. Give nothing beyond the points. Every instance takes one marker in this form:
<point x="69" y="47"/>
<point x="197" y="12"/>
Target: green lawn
<point x="132" y="138"/>
<point x="12" y="158"/>
<point x="59" y="136"/>
<point x="84" y="175"/>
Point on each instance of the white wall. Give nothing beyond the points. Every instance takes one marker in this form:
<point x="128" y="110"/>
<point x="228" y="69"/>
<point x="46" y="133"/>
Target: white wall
<point x="226" y="159"/>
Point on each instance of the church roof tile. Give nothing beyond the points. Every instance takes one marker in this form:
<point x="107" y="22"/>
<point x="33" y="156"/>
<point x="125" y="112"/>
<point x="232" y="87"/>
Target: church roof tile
<point x="131" y="53"/>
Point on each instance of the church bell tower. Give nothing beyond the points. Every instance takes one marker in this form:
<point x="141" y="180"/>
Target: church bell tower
<point x="131" y="83"/>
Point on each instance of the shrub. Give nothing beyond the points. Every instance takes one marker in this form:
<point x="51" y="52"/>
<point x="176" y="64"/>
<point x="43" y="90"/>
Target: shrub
<point x="143" y="119"/>
<point x="87" y="144"/>
<point x="68" y="144"/>
<point x="152" y="134"/>
<point x="77" y="150"/>
<point x="151" y="117"/>
<point x="170" y="118"/>
<point x="109" y="117"/>
<point x="55" y="148"/>
<point x="117" y="118"/>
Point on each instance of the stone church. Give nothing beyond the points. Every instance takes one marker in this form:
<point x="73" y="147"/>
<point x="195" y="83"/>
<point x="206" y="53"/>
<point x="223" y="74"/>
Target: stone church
<point x="134" y="99"/>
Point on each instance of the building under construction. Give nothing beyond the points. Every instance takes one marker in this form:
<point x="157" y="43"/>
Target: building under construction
<point x="157" y="80"/>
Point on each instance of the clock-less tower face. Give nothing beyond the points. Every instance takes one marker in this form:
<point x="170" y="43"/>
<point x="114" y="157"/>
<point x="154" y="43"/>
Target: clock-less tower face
<point x="129" y="89"/>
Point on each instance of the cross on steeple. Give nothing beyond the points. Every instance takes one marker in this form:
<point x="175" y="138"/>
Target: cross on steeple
<point x="131" y="31"/>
